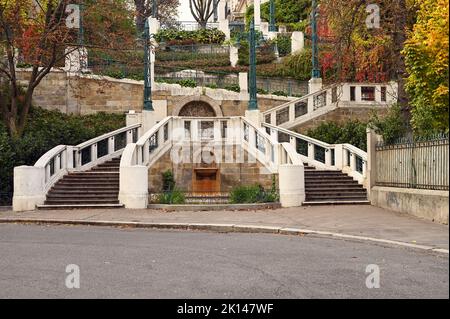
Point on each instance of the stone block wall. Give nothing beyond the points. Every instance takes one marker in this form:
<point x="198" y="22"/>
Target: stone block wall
<point x="341" y="116"/>
<point x="231" y="174"/>
<point x="91" y="94"/>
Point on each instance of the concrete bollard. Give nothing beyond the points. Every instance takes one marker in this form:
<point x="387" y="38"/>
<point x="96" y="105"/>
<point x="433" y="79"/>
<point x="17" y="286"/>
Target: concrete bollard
<point x="28" y="188"/>
<point x="134" y="187"/>
<point x="292" y="185"/>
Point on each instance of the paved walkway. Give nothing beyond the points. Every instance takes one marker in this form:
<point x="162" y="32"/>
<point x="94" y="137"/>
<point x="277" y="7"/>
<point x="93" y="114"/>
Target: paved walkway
<point x="364" y="221"/>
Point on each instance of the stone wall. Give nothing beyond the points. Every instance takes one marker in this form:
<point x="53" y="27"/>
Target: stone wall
<point x="90" y="94"/>
<point x="428" y="204"/>
<point x="231" y="174"/>
<point x="341" y="116"/>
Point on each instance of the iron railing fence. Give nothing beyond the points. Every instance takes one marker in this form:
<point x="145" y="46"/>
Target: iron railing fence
<point x="127" y="64"/>
<point x="6" y="199"/>
<point x="418" y="163"/>
<point x="182" y="197"/>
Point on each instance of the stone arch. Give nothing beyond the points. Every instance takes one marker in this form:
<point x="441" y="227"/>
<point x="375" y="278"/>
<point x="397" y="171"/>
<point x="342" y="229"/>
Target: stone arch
<point x="206" y="107"/>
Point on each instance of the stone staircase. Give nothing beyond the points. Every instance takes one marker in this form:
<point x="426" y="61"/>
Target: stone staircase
<point x="332" y="188"/>
<point x="97" y="188"/>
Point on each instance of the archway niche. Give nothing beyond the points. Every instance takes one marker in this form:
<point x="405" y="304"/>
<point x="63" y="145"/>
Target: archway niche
<point x="197" y="109"/>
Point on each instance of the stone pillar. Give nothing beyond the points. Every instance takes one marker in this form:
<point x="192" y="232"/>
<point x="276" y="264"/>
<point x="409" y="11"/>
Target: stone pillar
<point x="298" y="42"/>
<point x="254" y="116"/>
<point x="221" y="14"/>
<point x="257" y="13"/>
<point x="372" y="140"/>
<point x="154" y="28"/>
<point x="76" y="60"/>
<point x="28" y="188"/>
<point x="224" y="26"/>
<point x="133" y="185"/>
<point x="315" y="84"/>
<point x="265" y="28"/>
<point x="292" y="185"/>
<point x="234" y="56"/>
<point x="243" y="82"/>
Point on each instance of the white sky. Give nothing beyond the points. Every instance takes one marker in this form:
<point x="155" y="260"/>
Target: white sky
<point x="184" y="13"/>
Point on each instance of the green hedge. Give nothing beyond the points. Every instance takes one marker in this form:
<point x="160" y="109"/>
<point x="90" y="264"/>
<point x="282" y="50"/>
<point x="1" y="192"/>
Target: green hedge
<point x="254" y="194"/>
<point x="352" y="132"/>
<point x="181" y="37"/>
<point x="45" y="130"/>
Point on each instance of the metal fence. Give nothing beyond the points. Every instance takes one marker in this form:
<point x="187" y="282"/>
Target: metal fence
<point x="419" y="164"/>
<point x="5" y="199"/>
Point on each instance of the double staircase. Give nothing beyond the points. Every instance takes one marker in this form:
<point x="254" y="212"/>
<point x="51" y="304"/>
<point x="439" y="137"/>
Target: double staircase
<point x="96" y="188"/>
<point x="332" y="188"/>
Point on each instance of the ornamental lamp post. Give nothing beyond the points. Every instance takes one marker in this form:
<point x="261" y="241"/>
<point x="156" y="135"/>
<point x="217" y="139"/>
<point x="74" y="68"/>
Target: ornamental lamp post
<point x="253" y="103"/>
<point x="148" y="104"/>
<point x="314" y="37"/>
<point x="272" y="24"/>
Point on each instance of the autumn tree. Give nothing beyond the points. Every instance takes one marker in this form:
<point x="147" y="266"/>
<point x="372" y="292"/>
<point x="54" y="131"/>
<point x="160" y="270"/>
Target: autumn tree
<point x="37" y="30"/>
<point x="167" y="12"/>
<point x="426" y="54"/>
<point x="202" y="10"/>
<point x="356" y="52"/>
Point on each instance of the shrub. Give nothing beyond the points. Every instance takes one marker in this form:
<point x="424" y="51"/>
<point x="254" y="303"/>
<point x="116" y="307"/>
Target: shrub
<point x="174" y="197"/>
<point x="280" y="93"/>
<point x="233" y="87"/>
<point x="352" y="132"/>
<point x="45" y="130"/>
<point x="168" y="181"/>
<point x="181" y="37"/>
<point x="253" y="194"/>
<point x="298" y="65"/>
<point x="391" y="127"/>
<point x="284" y="44"/>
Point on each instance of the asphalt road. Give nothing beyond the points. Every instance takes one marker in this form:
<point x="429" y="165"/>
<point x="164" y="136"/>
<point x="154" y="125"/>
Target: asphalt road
<point x="133" y="263"/>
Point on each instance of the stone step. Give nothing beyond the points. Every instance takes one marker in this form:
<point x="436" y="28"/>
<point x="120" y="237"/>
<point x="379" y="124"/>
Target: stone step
<point x="83" y="184"/>
<point x="75" y="196"/>
<point x="336" y="202"/>
<point x="334" y="197"/>
<point x="339" y="187"/>
<point x="86" y="206"/>
<point x="80" y="201"/>
<point x="316" y="172"/>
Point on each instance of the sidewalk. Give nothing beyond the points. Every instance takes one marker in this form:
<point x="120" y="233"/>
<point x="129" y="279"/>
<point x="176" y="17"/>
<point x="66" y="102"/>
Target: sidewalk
<point x="364" y="221"/>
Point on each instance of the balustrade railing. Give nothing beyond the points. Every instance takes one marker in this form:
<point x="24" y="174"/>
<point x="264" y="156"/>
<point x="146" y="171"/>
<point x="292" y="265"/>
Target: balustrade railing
<point x="321" y="155"/>
<point x="63" y="159"/>
<point x="338" y="95"/>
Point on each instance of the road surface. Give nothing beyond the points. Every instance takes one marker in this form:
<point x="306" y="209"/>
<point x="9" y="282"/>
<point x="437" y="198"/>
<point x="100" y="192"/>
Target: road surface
<point x="138" y="263"/>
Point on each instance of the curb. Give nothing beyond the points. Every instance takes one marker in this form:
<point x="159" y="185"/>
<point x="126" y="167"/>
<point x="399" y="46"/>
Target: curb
<point x="224" y="228"/>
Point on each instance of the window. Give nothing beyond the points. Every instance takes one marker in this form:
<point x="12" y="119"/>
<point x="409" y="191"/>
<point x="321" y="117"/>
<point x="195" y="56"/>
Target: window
<point x="352" y="93"/>
<point x="368" y="93"/>
<point x="166" y="132"/>
<point x="187" y="130"/>
<point x="224" y="128"/>
<point x="334" y="95"/>
<point x="383" y="94"/>
<point x="207" y="130"/>
<point x="283" y="116"/>
<point x="246" y="132"/>
<point x="301" y="108"/>
<point x="320" y="100"/>
<point x="283" y="138"/>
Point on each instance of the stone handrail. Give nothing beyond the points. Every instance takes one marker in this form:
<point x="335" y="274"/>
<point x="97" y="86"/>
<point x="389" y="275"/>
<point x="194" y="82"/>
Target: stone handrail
<point x="348" y="158"/>
<point x="315" y="104"/>
<point x="32" y="183"/>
